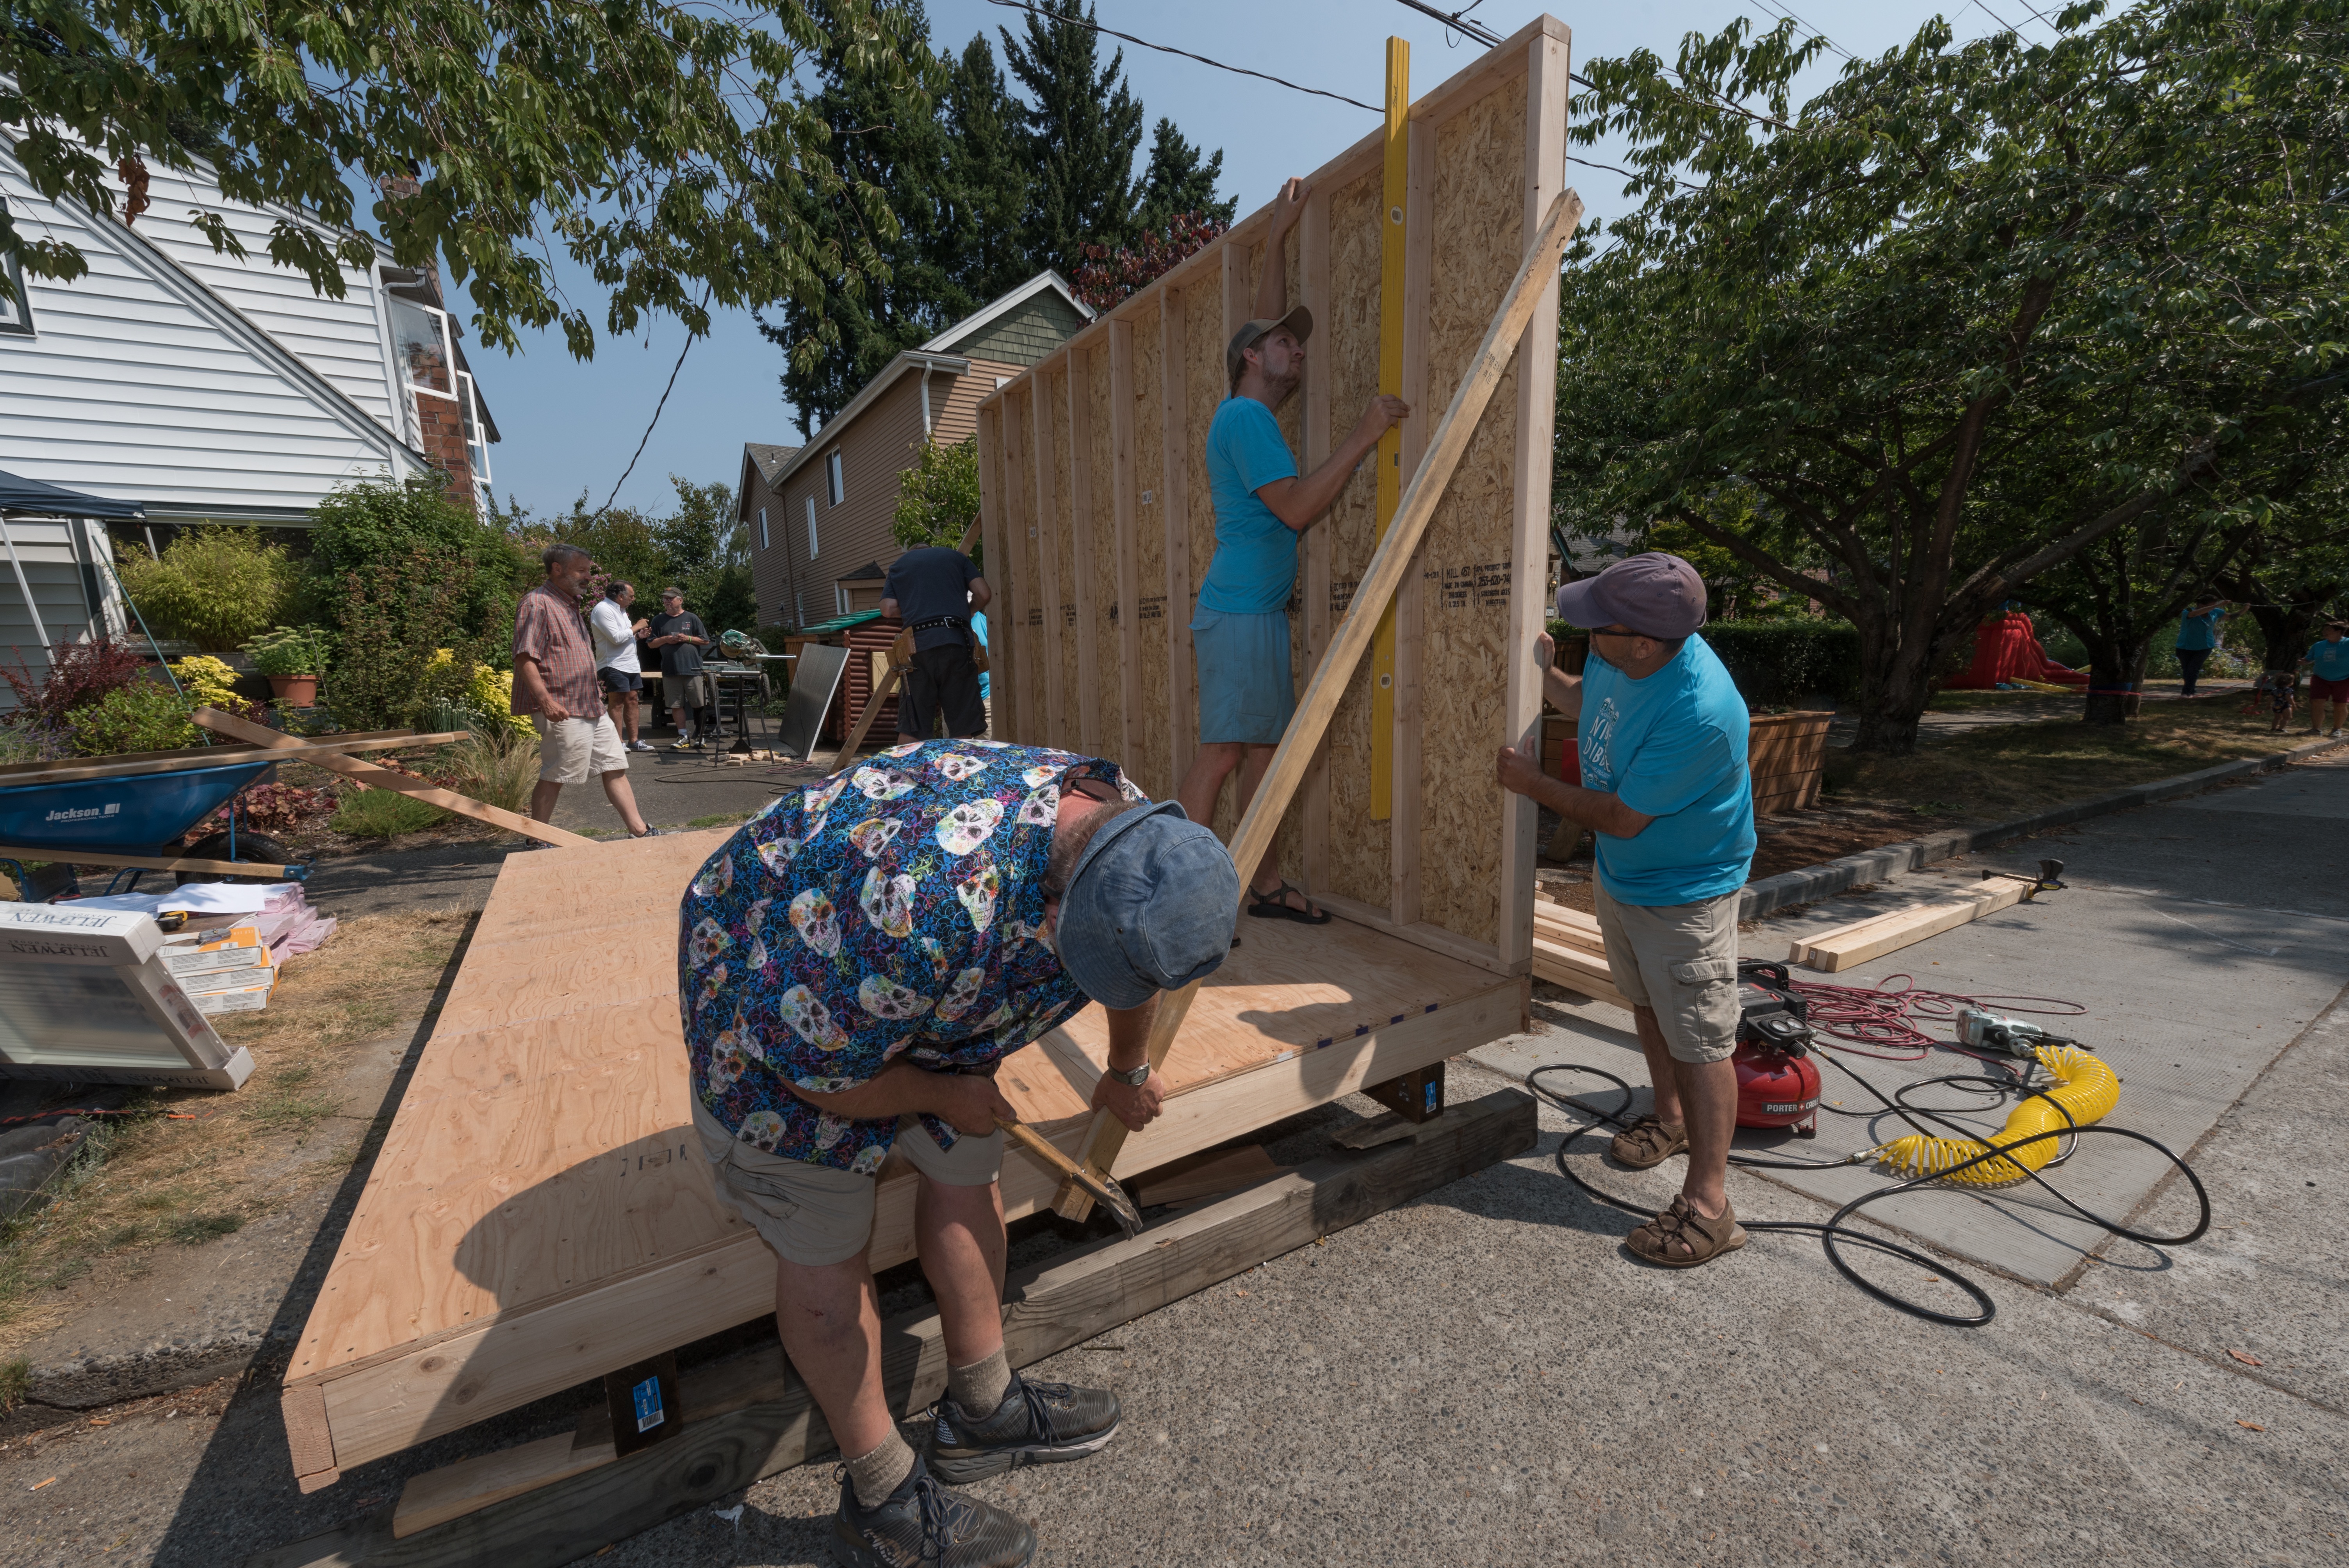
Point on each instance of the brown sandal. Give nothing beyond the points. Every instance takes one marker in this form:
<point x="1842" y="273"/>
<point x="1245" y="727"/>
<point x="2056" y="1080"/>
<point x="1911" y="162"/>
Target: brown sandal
<point x="1697" y="1239"/>
<point x="1648" y="1142"/>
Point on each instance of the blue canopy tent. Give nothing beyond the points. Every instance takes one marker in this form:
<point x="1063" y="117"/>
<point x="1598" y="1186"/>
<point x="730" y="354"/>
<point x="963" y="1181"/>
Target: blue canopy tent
<point x="34" y="498"/>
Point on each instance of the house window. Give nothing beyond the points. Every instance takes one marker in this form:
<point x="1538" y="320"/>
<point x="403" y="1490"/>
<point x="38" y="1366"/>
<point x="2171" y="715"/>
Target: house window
<point x="840" y="603"/>
<point x="810" y="514"/>
<point x="832" y="477"/>
<point x="477" y="437"/>
<point x="15" y="306"/>
<point x="762" y="528"/>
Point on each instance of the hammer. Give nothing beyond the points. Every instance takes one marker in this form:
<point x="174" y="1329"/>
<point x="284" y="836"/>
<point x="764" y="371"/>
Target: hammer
<point x="1120" y="1207"/>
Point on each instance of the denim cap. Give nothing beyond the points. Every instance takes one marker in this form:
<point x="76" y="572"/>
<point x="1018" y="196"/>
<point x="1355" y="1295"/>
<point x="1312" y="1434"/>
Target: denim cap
<point x="1654" y="595"/>
<point x="1149" y="906"/>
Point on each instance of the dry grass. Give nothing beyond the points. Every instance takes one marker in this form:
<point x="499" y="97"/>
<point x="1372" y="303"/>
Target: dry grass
<point x="203" y="1165"/>
<point x="2001" y="772"/>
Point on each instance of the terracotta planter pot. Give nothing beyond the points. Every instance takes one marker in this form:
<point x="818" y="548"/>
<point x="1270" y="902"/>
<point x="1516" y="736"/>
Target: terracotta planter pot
<point x="296" y="691"/>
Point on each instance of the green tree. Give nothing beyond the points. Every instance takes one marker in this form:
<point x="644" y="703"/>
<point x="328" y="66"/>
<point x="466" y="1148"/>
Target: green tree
<point x="1954" y="262"/>
<point x="1082" y="129"/>
<point x="937" y="498"/>
<point x="987" y="177"/>
<point x="1179" y="181"/>
<point x="706" y="551"/>
<point x="664" y="147"/>
<point x="383" y="521"/>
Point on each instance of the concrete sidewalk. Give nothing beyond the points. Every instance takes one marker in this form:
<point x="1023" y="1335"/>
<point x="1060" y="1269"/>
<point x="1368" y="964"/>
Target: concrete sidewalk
<point x="1481" y="1376"/>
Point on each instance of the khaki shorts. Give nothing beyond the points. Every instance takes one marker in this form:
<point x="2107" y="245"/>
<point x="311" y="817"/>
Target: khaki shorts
<point x="573" y="751"/>
<point x="819" y="1214"/>
<point x="686" y="691"/>
<point x="1679" y="961"/>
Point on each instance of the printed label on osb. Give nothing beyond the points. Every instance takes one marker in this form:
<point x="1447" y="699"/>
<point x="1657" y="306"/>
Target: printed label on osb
<point x="1485" y="586"/>
<point x="1036" y="616"/>
<point x="1342" y="595"/>
<point x="1153" y="609"/>
<point x="1068" y="614"/>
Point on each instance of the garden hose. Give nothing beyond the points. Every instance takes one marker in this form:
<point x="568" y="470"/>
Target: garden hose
<point x="2087" y="1093"/>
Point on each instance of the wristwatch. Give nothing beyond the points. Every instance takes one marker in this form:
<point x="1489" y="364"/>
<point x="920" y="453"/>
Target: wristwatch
<point x="1133" y="1077"/>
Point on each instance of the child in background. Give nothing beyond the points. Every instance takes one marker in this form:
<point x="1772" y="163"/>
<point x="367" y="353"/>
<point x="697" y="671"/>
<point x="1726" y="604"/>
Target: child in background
<point x="2277" y="687"/>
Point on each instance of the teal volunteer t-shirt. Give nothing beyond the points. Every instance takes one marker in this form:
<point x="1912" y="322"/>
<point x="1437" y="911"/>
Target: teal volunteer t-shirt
<point x="1255" y="564"/>
<point x="1672" y="747"/>
<point x="2198" y="632"/>
<point x="2331" y="659"/>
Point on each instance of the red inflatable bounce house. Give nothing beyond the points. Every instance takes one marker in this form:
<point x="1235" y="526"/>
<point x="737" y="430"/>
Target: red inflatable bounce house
<point x="2007" y="648"/>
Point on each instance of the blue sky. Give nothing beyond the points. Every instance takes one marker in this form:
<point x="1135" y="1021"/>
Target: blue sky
<point x="570" y="427"/>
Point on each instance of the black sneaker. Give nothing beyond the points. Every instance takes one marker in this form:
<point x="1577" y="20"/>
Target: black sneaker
<point x="1037" y="1424"/>
<point x="923" y="1525"/>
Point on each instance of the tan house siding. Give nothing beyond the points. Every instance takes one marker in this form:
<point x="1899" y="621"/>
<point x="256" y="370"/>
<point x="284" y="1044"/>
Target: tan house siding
<point x="875" y="446"/>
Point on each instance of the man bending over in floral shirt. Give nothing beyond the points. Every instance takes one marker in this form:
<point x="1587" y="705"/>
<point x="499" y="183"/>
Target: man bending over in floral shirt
<point x="855" y="962"/>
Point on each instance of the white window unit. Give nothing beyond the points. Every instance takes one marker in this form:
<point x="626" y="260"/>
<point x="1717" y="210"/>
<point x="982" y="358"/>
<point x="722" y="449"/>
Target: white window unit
<point x="15" y="309"/>
<point x="762" y="528"/>
<point x="832" y="478"/>
<point x="811" y="522"/>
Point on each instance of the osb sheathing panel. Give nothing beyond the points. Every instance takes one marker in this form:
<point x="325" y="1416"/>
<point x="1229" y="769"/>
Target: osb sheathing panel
<point x="1203" y="388"/>
<point x="1101" y="528"/>
<point x="1349" y="341"/>
<point x="1152" y="764"/>
<point x="1065" y="554"/>
<point x="1478" y="224"/>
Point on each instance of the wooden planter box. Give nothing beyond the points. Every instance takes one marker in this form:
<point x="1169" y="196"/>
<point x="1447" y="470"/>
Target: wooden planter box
<point x="1785" y="752"/>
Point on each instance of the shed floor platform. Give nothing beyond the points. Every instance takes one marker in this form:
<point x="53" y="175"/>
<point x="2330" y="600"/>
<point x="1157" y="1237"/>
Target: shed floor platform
<point x="539" y="1213"/>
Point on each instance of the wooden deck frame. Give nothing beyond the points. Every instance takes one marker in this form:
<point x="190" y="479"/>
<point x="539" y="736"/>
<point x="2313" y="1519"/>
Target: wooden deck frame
<point x="1457" y="873"/>
<point x="541" y="1213"/>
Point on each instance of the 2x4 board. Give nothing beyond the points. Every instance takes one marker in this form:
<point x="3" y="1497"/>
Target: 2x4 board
<point x="1099" y="529"/>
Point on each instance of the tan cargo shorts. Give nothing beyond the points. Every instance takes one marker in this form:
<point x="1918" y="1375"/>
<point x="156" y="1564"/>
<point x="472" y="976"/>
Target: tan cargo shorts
<point x="819" y="1214"/>
<point x="573" y="751"/>
<point x="1679" y="961"/>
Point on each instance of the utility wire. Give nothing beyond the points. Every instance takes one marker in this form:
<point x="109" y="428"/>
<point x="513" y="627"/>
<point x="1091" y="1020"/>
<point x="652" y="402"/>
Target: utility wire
<point x="1168" y="49"/>
<point x="654" y="419"/>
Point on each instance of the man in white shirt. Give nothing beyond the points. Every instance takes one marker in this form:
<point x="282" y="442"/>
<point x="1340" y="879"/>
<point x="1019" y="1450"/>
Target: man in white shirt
<point x="616" y="667"/>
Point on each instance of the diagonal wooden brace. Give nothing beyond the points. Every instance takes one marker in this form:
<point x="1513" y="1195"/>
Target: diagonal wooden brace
<point x="385" y="778"/>
<point x="1380" y="581"/>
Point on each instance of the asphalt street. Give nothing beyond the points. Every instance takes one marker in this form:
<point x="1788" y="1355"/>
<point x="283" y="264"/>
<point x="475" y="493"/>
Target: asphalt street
<point x="1484" y="1377"/>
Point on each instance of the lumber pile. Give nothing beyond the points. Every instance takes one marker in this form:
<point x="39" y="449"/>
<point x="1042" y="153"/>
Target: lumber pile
<point x="1865" y="941"/>
<point x="1568" y="952"/>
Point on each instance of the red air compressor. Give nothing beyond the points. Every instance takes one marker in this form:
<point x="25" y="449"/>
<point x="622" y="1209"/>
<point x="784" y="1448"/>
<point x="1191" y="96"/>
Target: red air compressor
<point x="1778" y="1084"/>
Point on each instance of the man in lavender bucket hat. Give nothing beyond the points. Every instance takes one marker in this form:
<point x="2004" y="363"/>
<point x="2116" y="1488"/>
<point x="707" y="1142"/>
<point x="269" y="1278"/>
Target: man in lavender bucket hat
<point x="1666" y="794"/>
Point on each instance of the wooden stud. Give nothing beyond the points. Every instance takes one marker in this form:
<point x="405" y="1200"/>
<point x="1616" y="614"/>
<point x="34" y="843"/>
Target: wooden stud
<point x="1545" y="110"/>
<point x="1313" y="289"/>
<point x="1024" y="678"/>
<point x="139" y="764"/>
<point x="1381" y="582"/>
<point x="1050" y="522"/>
<point x="1003" y="629"/>
<point x="151" y="862"/>
<point x="1409" y="628"/>
<point x="385" y="778"/>
<point x="1122" y="504"/>
<point x="1394" y="230"/>
<point x="1182" y="716"/>
<point x="1086" y="630"/>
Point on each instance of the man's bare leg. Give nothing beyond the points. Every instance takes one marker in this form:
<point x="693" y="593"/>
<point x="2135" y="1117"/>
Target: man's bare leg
<point x="1203" y="780"/>
<point x="542" y="798"/>
<point x="829" y="1317"/>
<point x="959" y="1232"/>
<point x="623" y="798"/>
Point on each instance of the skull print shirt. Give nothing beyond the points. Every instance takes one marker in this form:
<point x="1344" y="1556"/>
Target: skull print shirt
<point x="895" y="910"/>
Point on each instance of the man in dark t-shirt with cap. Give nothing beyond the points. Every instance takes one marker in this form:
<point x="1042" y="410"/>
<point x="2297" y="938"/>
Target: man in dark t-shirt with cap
<point x="936" y="592"/>
<point x="1669" y="803"/>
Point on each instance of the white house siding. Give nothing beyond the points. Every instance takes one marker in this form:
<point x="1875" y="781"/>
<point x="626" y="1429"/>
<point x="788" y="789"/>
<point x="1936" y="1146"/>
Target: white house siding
<point x="134" y="386"/>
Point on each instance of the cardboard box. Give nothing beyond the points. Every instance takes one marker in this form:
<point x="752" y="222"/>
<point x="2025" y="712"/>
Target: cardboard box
<point x="249" y="997"/>
<point x="242" y="947"/>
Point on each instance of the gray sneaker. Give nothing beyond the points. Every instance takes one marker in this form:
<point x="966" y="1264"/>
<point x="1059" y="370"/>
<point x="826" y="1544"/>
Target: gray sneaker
<point x="923" y="1525"/>
<point x="1037" y="1424"/>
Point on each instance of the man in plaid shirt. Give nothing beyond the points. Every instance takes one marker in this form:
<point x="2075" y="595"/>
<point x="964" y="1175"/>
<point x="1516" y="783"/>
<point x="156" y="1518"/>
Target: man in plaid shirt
<point x="554" y="684"/>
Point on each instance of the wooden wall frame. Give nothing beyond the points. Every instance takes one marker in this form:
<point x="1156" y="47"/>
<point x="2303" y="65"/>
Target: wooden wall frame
<point x="1453" y="870"/>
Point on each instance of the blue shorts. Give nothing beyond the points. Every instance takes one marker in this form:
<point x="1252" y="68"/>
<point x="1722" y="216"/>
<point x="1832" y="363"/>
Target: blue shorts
<point x="1245" y="693"/>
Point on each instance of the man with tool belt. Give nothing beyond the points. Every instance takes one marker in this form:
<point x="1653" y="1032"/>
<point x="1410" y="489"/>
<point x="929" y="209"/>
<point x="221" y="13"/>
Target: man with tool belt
<point x="1669" y="803"/>
<point x="935" y="591"/>
<point x="853" y="963"/>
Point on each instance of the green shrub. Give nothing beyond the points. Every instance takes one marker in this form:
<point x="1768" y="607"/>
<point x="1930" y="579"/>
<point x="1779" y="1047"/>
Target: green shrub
<point x="214" y="586"/>
<point x="1779" y="661"/>
<point x="496" y="765"/>
<point x="140" y="717"/>
<point x="385" y="813"/>
<point x="394" y="623"/>
<point x="938" y="496"/>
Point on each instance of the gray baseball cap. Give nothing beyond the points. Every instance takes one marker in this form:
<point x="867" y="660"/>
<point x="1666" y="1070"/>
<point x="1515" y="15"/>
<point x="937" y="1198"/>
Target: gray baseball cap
<point x="1300" y="322"/>
<point x="1655" y="594"/>
<point x="1149" y="907"/>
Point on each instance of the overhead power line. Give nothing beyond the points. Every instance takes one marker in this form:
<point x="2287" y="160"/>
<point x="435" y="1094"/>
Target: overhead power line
<point x="1168" y="49"/>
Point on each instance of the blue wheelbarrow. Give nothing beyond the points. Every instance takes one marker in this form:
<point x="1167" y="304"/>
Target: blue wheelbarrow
<point x="129" y="812"/>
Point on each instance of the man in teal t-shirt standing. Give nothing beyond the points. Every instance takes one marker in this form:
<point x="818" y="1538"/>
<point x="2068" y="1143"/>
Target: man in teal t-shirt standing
<point x="1669" y="803"/>
<point x="2328" y="665"/>
<point x="2197" y="633"/>
<point x="1240" y="630"/>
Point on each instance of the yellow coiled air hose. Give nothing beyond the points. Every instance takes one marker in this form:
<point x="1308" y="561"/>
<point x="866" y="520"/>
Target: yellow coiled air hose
<point x="2088" y="1092"/>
